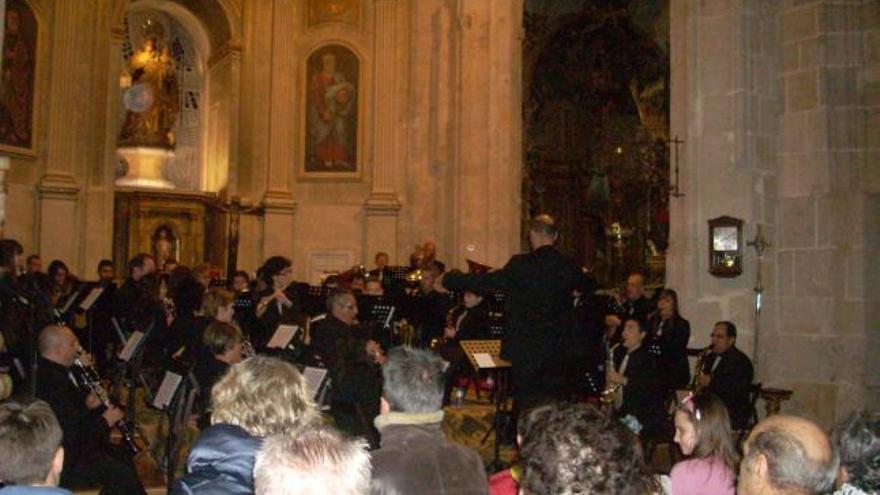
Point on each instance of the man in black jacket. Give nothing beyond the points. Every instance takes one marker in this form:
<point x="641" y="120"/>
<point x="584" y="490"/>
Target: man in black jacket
<point x="728" y="373"/>
<point x="539" y="310"/>
<point x="85" y="422"/>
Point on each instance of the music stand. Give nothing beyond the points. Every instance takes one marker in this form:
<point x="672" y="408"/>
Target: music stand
<point x="486" y="354"/>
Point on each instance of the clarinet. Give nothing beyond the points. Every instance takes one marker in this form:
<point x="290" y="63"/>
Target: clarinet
<point x="93" y="381"/>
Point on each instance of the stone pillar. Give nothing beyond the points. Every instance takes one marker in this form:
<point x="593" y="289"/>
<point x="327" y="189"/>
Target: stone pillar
<point x="724" y="105"/>
<point x="278" y="235"/>
<point x="58" y="191"/>
<point x="382" y="206"/>
<point x="4" y="167"/>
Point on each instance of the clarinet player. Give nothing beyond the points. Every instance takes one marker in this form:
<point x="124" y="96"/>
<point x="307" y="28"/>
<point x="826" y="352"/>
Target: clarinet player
<point x="89" y="459"/>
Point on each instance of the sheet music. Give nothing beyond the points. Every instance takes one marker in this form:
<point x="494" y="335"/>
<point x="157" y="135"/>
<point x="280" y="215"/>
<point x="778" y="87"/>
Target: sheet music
<point x="484" y="360"/>
<point x="91" y="298"/>
<point x="314" y="377"/>
<point x="282" y="337"/>
<point x="70" y="300"/>
<point x="167" y="389"/>
<point x="131" y="346"/>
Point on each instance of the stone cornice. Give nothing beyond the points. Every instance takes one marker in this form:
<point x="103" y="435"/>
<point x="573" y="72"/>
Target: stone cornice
<point x="279" y="202"/>
<point x="58" y="185"/>
<point x="382" y="204"/>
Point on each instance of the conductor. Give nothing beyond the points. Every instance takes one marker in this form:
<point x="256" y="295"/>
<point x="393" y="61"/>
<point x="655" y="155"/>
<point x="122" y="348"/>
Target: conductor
<point x="540" y="314"/>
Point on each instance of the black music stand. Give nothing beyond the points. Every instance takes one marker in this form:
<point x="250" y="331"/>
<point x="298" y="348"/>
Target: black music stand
<point x="133" y="358"/>
<point x="486" y="354"/>
<point x="174" y="398"/>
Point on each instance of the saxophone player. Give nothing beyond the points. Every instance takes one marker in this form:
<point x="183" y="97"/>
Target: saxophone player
<point x="89" y="459"/>
<point x="728" y="373"/>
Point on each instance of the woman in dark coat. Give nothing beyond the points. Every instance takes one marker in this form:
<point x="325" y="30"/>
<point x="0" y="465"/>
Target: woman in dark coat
<point x="669" y="341"/>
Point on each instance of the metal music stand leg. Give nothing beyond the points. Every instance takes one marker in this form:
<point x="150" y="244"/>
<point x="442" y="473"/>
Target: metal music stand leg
<point x="500" y="399"/>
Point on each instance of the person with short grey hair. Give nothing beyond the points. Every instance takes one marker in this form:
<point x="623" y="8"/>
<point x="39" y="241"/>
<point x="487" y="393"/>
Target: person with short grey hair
<point x="312" y="462"/>
<point x="30" y="440"/>
<point x="857" y="440"/>
<point x="787" y="455"/>
<point x="414" y="456"/>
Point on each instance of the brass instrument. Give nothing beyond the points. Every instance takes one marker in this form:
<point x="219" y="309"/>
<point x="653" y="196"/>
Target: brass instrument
<point x="92" y="381"/>
<point x="698" y="368"/>
<point x="607" y="396"/>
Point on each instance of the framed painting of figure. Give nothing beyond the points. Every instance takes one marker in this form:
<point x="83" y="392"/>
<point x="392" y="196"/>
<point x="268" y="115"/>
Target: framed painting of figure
<point x="17" y="78"/>
<point x="331" y="146"/>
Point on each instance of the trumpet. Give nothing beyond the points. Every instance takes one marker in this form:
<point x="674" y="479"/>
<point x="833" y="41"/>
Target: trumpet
<point x="698" y="368"/>
<point x="92" y="381"/>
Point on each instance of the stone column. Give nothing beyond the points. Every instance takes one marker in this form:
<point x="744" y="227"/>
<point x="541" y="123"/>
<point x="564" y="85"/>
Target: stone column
<point x="58" y="191"/>
<point x="4" y="167"/>
<point x="279" y="205"/>
<point x="382" y="207"/>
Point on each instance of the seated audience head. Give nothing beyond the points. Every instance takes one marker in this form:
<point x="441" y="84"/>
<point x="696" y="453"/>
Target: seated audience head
<point x="413" y="381"/>
<point x="30" y="440"/>
<point x="312" y="462"/>
<point x="59" y="345"/>
<point x="58" y="271"/>
<point x="373" y="287"/>
<point x="787" y="455"/>
<point x="857" y="439"/>
<point x="633" y="334"/>
<point x="223" y="340"/>
<point x="106" y="271"/>
<point x="702" y="430"/>
<point x="574" y="448"/>
<point x="241" y="281"/>
<point x="723" y="337"/>
<point x="264" y="396"/>
<point x="34" y="264"/>
<point x="11" y="254"/>
<point x="472" y="298"/>
<point x="543" y="231"/>
<point x="635" y="286"/>
<point x="217" y="304"/>
<point x="277" y="272"/>
<point x="342" y="305"/>
<point x="381" y="260"/>
<point x="667" y="303"/>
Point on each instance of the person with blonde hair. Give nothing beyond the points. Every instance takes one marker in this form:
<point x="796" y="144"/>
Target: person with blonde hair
<point x="256" y="398"/>
<point x="314" y="462"/>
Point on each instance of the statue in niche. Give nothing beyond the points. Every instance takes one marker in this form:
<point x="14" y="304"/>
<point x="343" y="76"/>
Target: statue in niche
<point x="152" y="102"/>
<point x="332" y="111"/>
<point x="165" y="246"/>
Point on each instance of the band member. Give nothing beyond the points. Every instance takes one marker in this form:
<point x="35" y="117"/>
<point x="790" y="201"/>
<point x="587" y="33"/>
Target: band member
<point x="223" y="342"/>
<point x="635" y="304"/>
<point x="669" y="341"/>
<point x="381" y="272"/>
<point x="467" y="321"/>
<point x="728" y="373"/>
<point x="241" y="282"/>
<point x="85" y="422"/>
<point x="184" y="338"/>
<point x="103" y="335"/>
<point x="13" y="306"/>
<point x="635" y="375"/>
<point x="137" y="301"/>
<point x="539" y="311"/>
<point x="352" y="359"/>
<point x="278" y="303"/>
<point x="427" y="311"/>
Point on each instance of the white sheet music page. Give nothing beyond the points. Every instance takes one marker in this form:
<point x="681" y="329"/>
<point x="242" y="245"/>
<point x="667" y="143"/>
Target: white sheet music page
<point x="91" y="298"/>
<point x="314" y="377"/>
<point x="131" y="346"/>
<point x="282" y="337"/>
<point x="484" y="360"/>
<point x="166" y="390"/>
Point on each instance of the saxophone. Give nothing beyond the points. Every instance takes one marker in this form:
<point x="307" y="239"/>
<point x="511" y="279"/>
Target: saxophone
<point x="698" y="368"/>
<point x="607" y="395"/>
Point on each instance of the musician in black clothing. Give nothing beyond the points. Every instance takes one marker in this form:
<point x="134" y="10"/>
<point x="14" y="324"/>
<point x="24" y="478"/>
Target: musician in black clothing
<point x="88" y="457"/>
<point x="352" y="359"/>
<point x="223" y="342"/>
<point x="137" y="301"/>
<point x="538" y="305"/>
<point x="728" y="373"/>
<point x="101" y="313"/>
<point x="184" y="337"/>
<point x="635" y="372"/>
<point x="278" y="303"/>
<point x="467" y="321"/>
<point x="13" y="307"/>
<point x="427" y="310"/>
<point x="669" y="340"/>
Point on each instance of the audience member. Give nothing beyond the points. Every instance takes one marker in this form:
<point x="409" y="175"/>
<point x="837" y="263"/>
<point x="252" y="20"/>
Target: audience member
<point x="256" y="398"/>
<point x="728" y="373"/>
<point x="702" y="431"/>
<point x="415" y="457"/>
<point x="86" y="423"/>
<point x="857" y="440"/>
<point x="787" y="455"/>
<point x="575" y="448"/>
<point x="223" y="343"/>
<point x="316" y="461"/>
<point x="30" y="439"/>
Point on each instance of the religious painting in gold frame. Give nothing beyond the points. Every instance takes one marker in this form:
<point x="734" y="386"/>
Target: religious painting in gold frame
<point x="332" y="114"/>
<point x="326" y="11"/>
<point x="18" y="79"/>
